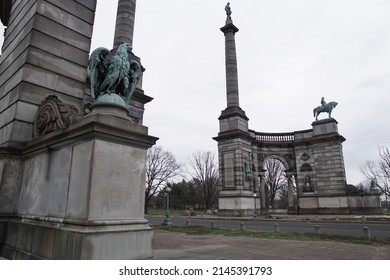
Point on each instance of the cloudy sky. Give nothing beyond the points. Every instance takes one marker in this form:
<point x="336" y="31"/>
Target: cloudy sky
<point x="290" y="54"/>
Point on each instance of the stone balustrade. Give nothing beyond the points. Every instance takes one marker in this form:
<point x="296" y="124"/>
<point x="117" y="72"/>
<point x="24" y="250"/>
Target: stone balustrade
<point x="275" y="137"/>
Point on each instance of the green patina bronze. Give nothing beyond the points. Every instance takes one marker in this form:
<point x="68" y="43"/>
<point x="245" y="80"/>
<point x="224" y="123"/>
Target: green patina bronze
<point x="248" y="171"/>
<point x="228" y="11"/>
<point x="113" y="78"/>
<point x="324" y="108"/>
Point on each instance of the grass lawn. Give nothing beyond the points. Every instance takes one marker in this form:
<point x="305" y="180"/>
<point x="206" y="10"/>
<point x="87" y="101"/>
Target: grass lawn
<point x="174" y="212"/>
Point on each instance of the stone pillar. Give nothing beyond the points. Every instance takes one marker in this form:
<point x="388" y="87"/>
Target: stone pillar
<point x="328" y="156"/>
<point x="45" y="52"/>
<point x="291" y="208"/>
<point x="124" y="27"/>
<point x="231" y="64"/>
<point x="262" y="190"/>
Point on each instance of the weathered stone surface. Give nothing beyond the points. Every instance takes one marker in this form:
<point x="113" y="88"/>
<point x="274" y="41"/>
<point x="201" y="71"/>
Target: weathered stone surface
<point x="308" y="202"/>
<point x="45" y="241"/>
<point x="76" y="9"/>
<point x="237" y="202"/>
<point x="325" y="126"/>
<point x="77" y="192"/>
<point x="117" y="182"/>
<point x="80" y="181"/>
<point x="61" y="33"/>
<point x="333" y="202"/>
<point x="233" y="123"/>
<point x="20" y="23"/>
<point x="124" y="27"/>
<point x="10" y="174"/>
<point x="90" y="4"/>
<point x="8" y="115"/>
<point x="58" y="48"/>
<point x="64" y="18"/>
<point x="57" y="65"/>
<point x="46" y="46"/>
<point x="48" y="79"/>
<point x="45" y="184"/>
<point x="85" y="195"/>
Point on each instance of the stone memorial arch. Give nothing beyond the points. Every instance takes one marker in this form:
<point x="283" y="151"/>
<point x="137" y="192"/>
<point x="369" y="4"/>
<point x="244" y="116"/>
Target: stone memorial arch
<point x="313" y="158"/>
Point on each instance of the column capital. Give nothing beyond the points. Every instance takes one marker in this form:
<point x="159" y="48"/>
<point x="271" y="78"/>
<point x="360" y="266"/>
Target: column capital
<point x="229" y="27"/>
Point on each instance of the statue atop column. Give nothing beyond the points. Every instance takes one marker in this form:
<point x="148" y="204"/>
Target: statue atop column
<point x="228" y="11"/>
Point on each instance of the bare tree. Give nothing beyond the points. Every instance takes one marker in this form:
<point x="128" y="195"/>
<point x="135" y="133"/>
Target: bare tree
<point x="282" y="197"/>
<point x="379" y="173"/>
<point x="384" y="165"/>
<point x="161" y="166"/>
<point x="205" y="176"/>
<point x="275" y="179"/>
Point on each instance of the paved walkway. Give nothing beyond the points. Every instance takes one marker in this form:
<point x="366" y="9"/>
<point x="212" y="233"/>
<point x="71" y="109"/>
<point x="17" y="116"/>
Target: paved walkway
<point x="181" y="246"/>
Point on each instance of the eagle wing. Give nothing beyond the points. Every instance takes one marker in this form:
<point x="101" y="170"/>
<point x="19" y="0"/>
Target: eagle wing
<point x="97" y="67"/>
<point x="134" y="74"/>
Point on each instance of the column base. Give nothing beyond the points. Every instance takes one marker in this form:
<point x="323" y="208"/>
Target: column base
<point x="59" y="241"/>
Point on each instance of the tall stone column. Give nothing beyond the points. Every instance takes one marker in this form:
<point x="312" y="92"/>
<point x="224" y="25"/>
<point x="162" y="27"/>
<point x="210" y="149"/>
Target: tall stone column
<point x="234" y="140"/>
<point x="231" y="64"/>
<point x="124" y="27"/>
<point x="233" y="117"/>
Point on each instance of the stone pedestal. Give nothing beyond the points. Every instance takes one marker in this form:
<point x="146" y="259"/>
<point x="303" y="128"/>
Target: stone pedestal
<point x="235" y="203"/>
<point x="328" y="158"/>
<point x="82" y="194"/>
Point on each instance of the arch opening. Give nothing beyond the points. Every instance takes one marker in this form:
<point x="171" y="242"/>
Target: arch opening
<point x="279" y="183"/>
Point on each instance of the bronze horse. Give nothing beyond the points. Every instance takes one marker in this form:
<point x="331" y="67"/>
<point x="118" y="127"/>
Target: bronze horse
<point x="328" y="107"/>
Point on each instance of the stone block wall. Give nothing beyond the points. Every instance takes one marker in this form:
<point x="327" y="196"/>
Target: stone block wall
<point x="236" y="189"/>
<point x="45" y="51"/>
<point x="329" y="168"/>
<point x="232" y="156"/>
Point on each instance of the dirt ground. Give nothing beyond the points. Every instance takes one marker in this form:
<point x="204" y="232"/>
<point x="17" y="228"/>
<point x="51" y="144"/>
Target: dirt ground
<point x="181" y="246"/>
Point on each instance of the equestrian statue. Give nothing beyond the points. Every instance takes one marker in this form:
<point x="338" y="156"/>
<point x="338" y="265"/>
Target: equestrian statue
<point x="324" y="108"/>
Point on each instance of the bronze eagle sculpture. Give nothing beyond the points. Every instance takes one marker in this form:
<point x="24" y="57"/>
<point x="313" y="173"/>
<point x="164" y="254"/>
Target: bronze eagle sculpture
<point x="113" y="75"/>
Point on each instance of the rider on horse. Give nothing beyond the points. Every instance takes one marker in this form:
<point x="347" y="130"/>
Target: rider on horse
<point x="325" y="107"/>
<point x="323" y="103"/>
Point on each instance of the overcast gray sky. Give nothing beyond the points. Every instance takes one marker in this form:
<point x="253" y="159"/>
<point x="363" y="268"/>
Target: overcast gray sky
<point x="290" y="54"/>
